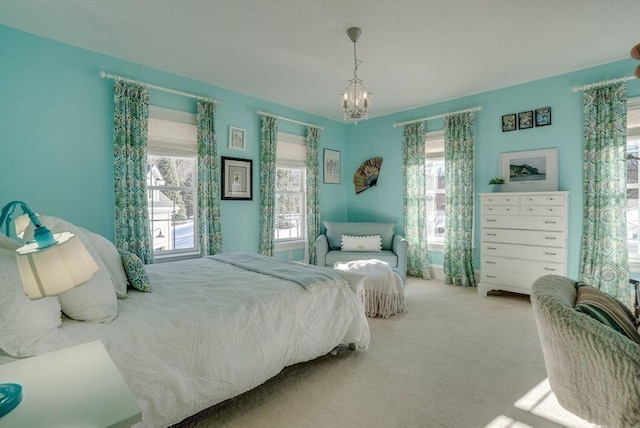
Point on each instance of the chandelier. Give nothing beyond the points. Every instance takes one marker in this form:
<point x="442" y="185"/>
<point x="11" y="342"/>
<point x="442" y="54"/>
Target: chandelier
<point x="356" y="98"/>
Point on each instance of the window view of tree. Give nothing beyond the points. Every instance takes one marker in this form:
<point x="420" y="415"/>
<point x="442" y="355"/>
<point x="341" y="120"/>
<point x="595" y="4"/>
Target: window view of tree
<point x="435" y="198"/>
<point x="172" y="196"/>
<point x="290" y="203"/>
<point x="633" y="187"/>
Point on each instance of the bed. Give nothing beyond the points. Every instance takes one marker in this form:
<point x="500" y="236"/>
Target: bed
<point x="208" y="330"/>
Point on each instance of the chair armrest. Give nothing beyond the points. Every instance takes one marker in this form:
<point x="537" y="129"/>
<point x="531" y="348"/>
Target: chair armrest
<point x="322" y="248"/>
<point x="400" y="246"/>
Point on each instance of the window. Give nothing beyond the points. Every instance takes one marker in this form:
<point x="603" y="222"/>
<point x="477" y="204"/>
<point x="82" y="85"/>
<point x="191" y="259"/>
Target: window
<point x="434" y="153"/>
<point x="172" y="164"/>
<point x="633" y="180"/>
<point x="290" y="222"/>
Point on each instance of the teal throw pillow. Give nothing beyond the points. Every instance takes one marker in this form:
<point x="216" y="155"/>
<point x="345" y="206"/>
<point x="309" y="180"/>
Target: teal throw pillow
<point x="136" y="273"/>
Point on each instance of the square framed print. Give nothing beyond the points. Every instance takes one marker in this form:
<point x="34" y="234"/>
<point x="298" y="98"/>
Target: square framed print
<point x="525" y="120"/>
<point x="236" y="138"/>
<point x="236" y="180"/>
<point x="509" y="122"/>
<point x="530" y="171"/>
<point x="332" y="166"/>
<point x="543" y="116"/>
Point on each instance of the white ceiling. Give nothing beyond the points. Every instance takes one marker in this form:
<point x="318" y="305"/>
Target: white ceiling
<point x="297" y="53"/>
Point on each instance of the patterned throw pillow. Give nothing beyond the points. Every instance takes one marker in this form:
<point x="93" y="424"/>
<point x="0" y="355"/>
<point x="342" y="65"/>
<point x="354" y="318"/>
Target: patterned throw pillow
<point x="607" y="310"/>
<point x="136" y="273"/>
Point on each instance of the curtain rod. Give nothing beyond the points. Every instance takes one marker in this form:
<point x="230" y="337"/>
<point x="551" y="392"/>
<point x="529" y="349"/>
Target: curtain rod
<point x="106" y="75"/>
<point x="264" y="113"/>
<point x="602" y="83"/>
<point x="476" y="108"/>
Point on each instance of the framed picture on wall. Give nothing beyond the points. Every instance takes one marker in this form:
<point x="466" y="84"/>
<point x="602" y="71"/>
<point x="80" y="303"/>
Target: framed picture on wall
<point x="236" y="138"/>
<point x="530" y="171"/>
<point x="509" y="122"/>
<point x="525" y="120"/>
<point x="236" y="180"/>
<point x="543" y="116"/>
<point x="331" y="166"/>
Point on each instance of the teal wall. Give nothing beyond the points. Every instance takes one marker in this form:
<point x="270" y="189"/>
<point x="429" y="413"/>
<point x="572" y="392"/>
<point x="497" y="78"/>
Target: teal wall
<point x="56" y="122"/>
<point x="378" y="137"/>
<point x="56" y="134"/>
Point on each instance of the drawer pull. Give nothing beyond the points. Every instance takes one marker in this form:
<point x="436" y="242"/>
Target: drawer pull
<point x="491" y="248"/>
<point x="492" y="220"/>
<point x="491" y="276"/>
<point x="549" y="253"/>
<point x="491" y="263"/>
<point x="508" y="209"/>
<point x="491" y="234"/>
<point x="549" y="222"/>
<point x="550" y="237"/>
<point x="550" y="269"/>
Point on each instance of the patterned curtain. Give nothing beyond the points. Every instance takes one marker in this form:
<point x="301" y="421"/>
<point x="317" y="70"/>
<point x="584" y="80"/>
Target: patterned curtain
<point x="130" y="130"/>
<point x="414" y="203"/>
<point x="209" y="228"/>
<point x="313" y="192"/>
<point x="269" y="144"/>
<point x="458" y="227"/>
<point x="604" y="263"/>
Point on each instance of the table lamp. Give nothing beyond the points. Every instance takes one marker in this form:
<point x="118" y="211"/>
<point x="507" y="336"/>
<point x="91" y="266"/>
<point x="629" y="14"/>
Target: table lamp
<point x="51" y="265"/>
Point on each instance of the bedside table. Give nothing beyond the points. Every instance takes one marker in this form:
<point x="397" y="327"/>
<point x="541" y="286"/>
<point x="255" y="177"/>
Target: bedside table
<point x="76" y="386"/>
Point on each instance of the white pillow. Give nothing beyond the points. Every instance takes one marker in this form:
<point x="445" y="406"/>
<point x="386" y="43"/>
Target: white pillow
<point x="361" y="243"/>
<point x="94" y="301"/>
<point x="22" y="321"/>
<point x="112" y="260"/>
<point x="8" y="243"/>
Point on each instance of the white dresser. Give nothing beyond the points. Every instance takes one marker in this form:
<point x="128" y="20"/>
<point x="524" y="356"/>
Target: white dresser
<point x="524" y="236"/>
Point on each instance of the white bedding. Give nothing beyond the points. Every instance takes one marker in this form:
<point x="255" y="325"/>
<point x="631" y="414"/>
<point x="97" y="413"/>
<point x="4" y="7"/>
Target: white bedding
<point x="210" y="331"/>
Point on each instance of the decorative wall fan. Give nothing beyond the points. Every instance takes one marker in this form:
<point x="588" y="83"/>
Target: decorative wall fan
<point x="367" y="175"/>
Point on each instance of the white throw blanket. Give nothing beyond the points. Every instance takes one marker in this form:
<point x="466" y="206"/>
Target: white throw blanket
<point x="381" y="289"/>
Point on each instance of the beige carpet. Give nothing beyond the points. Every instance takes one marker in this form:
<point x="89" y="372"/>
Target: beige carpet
<point x="455" y="360"/>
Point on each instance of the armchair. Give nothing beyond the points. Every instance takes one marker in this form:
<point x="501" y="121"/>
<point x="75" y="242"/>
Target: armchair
<point x="394" y="246"/>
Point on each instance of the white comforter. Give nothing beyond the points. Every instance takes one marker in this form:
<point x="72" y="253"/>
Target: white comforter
<point x="210" y="331"/>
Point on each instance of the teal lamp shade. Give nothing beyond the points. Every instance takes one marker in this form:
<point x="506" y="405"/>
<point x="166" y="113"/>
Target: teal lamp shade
<point x="54" y="269"/>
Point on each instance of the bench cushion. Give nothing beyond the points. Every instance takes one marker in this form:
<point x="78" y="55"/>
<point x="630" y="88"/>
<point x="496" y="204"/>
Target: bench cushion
<point x="335" y="230"/>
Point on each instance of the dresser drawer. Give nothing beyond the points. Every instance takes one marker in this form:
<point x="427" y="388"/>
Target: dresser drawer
<point x="522" y="281"/>
<point x="527" y="252"/>
<point x="522" y="222"/>
<point x="522" y="266"/>
<point x="548" y="210"/>
<point x="542" y="200"/>
<point x="501" y="209"/>
<point x="526" y="237"/>
<point x="500" y="200"/>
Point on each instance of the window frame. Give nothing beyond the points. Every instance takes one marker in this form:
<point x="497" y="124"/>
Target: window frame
<point x="633" y="104"/>
<point x="434" y="154"/>
<point x="289" y="244"/>
<point x="179" y="117"/>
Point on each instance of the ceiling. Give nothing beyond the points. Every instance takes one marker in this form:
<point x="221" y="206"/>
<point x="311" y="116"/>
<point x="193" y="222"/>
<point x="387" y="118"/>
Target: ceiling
<point x="297" y="53"/>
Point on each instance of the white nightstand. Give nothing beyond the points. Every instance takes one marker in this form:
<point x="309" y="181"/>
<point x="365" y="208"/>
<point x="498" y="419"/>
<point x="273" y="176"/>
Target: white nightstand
<point x="77" y="386"/>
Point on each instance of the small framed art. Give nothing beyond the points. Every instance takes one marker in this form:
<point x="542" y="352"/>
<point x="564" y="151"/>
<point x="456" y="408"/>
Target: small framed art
<point x="236" y="138"/>
<point x="331" y="166"/>
<point x="236" y="180"/>
<point x="509" y="122"/>
<point x="525" y="120"/>
<point x="543" y="116"/>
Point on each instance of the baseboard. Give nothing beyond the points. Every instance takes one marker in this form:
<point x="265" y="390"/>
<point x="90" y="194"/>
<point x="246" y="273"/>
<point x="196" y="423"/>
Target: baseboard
<point x="437" y="272"/>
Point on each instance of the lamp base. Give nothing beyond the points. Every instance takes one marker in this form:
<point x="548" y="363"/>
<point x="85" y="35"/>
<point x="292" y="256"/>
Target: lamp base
<point x="10" y="397"/>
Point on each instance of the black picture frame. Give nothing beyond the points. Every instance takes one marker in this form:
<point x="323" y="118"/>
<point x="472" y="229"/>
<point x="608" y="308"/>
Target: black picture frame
<point x="236" y="179"/>
<point x="509" y="122"/>
<point x="543" y="116"/>
<point x="525" y="120"/>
